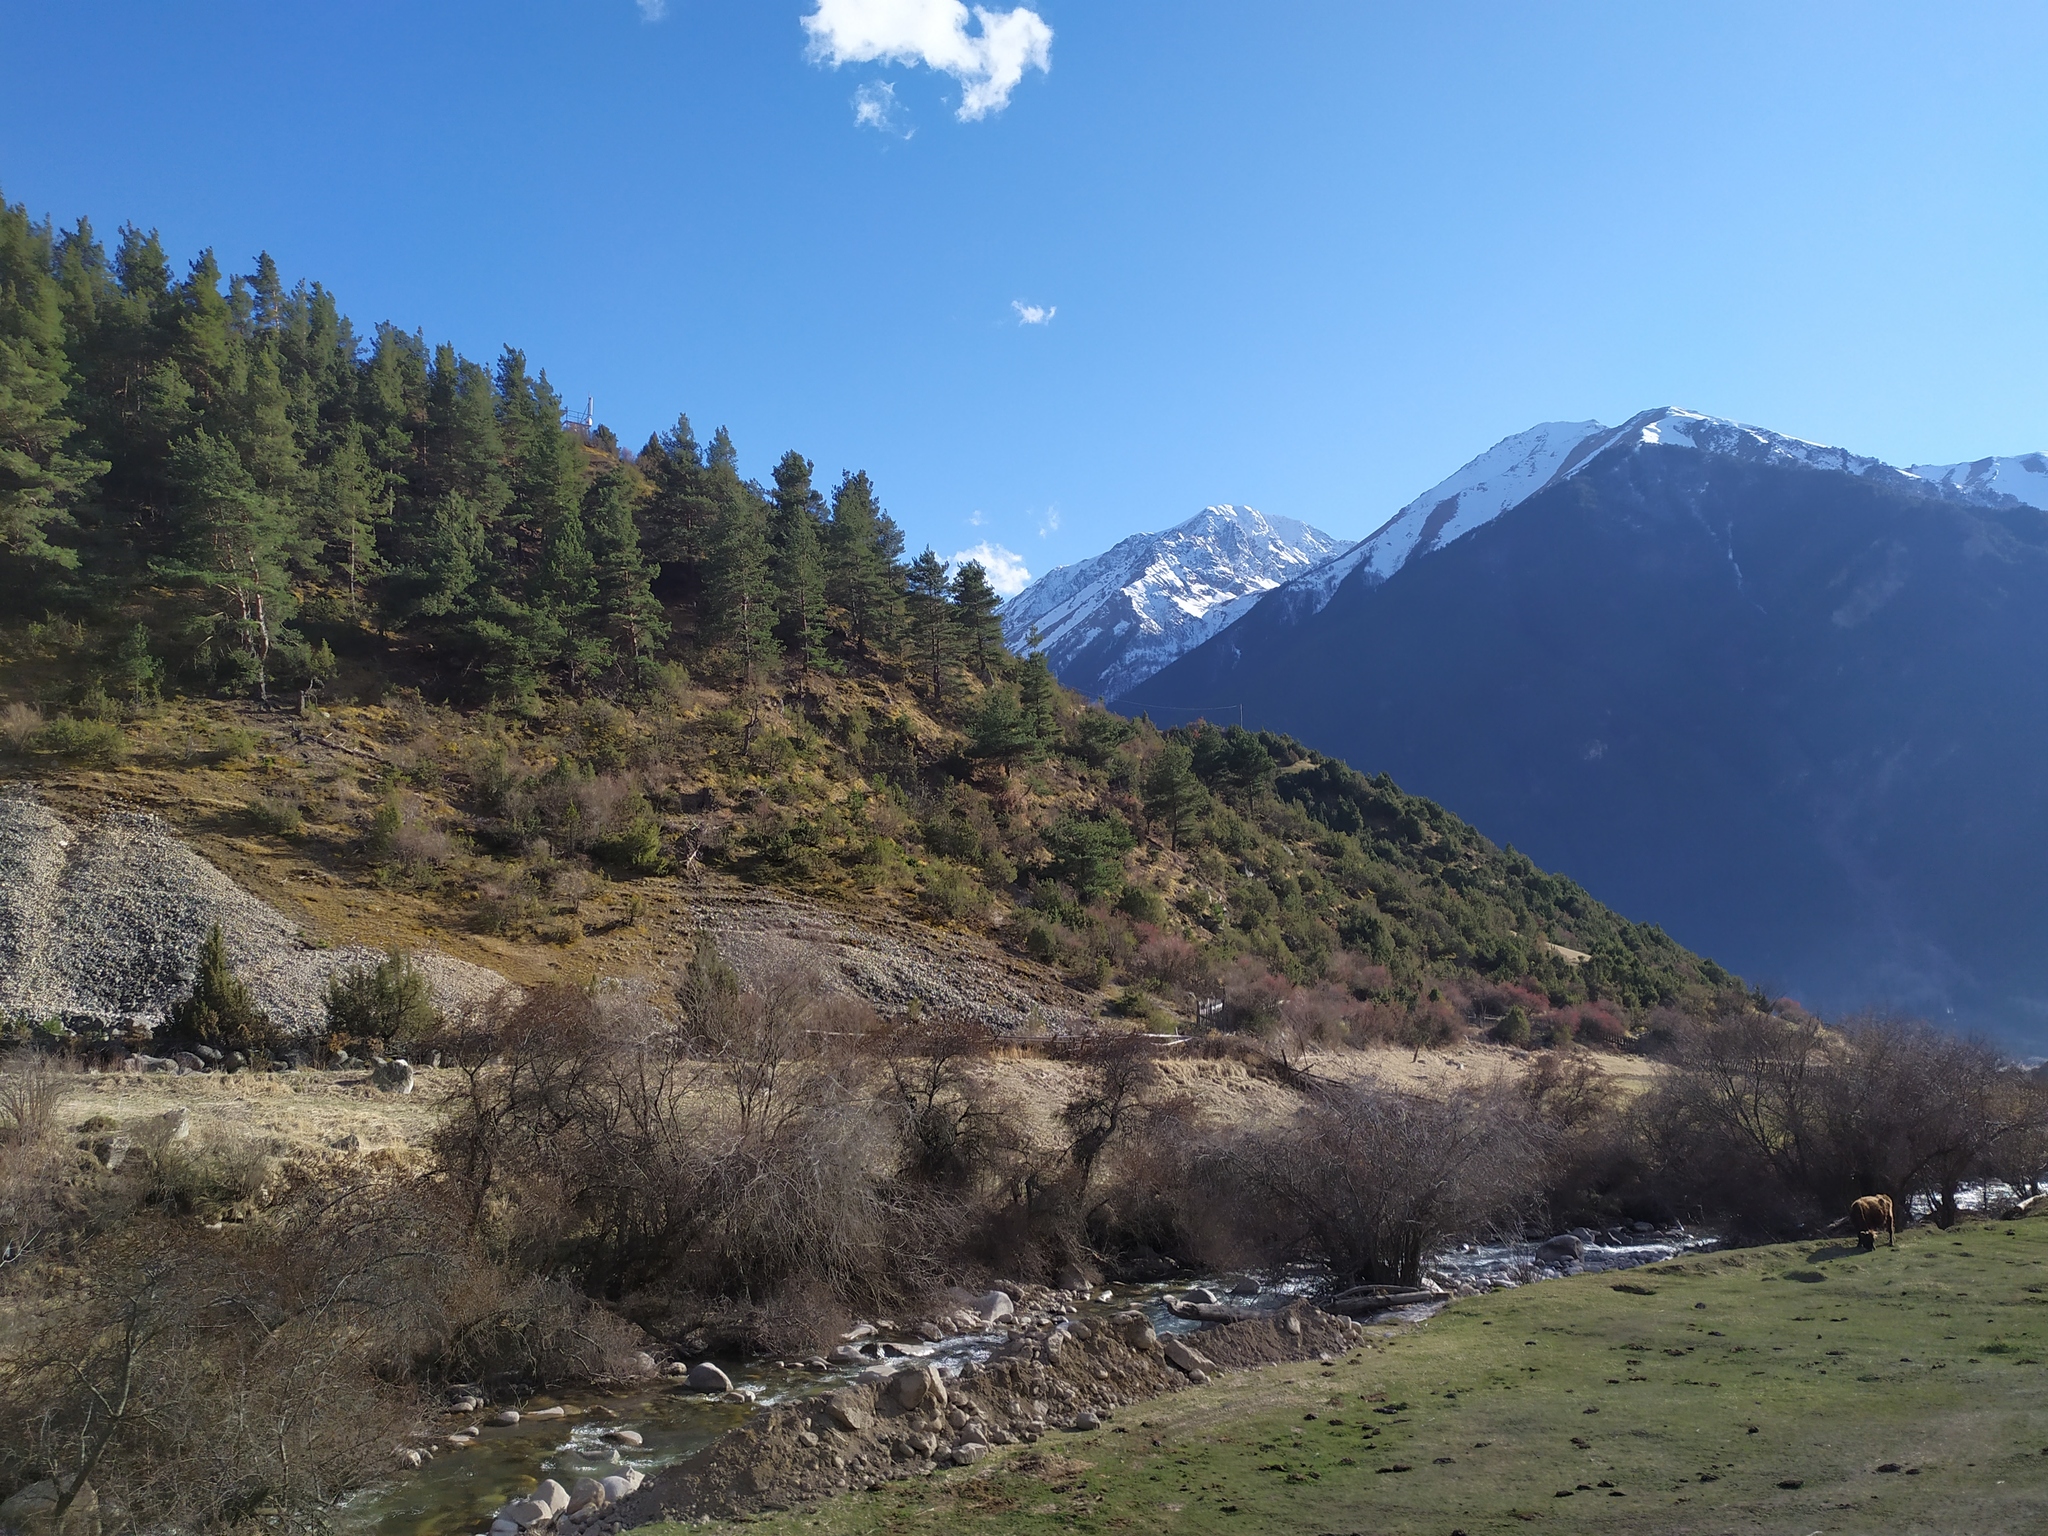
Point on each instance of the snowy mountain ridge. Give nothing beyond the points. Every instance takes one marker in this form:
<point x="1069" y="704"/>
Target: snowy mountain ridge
<point x="1517" y="467"/>
<point x="1108" y="623"/>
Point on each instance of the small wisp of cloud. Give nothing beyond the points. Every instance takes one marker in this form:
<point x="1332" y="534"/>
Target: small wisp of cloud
<point x="875" y="106"/>
<point x="1050" y="523"/>
<point x="1005" y="567"/>
<point x="988" y="62"/>
<point x="652" y="10"/>
<point x="975" y="519"/>
<point x="1034" y="314"/>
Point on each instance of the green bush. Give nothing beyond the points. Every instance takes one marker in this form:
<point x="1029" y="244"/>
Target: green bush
<point x="233" y="744"/>
<point x="219" y="1010"/>
<point x="951" y="891"/>
<point x="272" y="814"/>
<point x="1514" y="1029"/>
<point x="386" y="1002"/>
<point x="1142" y="904"/>
<point x="85" y="741"/>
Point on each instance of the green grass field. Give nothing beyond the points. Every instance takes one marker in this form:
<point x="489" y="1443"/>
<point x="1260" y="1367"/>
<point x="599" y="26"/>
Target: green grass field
<point x="1762" y="1390"/>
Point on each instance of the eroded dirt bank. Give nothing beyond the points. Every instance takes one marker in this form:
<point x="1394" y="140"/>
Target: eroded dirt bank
<point x="1050" y="1377"/>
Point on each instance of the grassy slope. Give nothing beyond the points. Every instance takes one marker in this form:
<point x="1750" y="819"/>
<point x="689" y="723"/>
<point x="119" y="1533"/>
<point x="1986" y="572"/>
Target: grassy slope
<point x="1741" y="1373"/>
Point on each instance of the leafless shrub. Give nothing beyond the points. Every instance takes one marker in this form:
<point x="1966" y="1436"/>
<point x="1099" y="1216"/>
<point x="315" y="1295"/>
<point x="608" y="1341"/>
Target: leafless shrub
<point x="1377" y="1178"/>
<point x="30" y="1086"/>
<point x="1776" y="1123"/>
<point x="19" y="723"/>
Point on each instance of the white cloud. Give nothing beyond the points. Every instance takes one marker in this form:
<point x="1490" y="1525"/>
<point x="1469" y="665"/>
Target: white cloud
<point x="652" y="10"/>
<point x="1034" y="314"/>
<point x="1005" y="569"/>
<point x="1050" y="523"/>
<point x="975" y="519"/>
<point x="874" y="106"/>
<point x="987" y="63"/>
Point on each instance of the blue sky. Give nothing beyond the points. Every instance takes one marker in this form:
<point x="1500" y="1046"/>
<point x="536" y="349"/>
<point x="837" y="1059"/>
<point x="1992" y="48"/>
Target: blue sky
<point x="1309" y="256"/>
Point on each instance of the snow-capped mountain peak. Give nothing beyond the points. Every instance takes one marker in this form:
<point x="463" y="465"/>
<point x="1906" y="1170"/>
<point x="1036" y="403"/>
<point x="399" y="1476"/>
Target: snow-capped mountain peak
<point x="2023" y="477"/>
<point x="1517" y="467"/>
<point x="1106" y="624"/>
<point x="1506" y="475"/>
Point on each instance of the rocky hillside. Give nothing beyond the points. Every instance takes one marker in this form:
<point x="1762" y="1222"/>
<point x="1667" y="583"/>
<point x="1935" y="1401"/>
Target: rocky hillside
<point x="100" y="928"/>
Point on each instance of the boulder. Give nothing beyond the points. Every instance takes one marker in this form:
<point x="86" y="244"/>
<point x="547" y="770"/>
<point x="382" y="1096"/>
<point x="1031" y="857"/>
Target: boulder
<point x="172" y="1125"/>
<point x="1075" y="1278"/>
<point x="187" y="1062"/>
<point x="1561" y="1249"/>
<point x="641" y="1363"/>
<point x="587" y="1494"/>
<point x="393" y="1077"/>
<point x="706" y="1377"/>
<point x="1182" y="1357"/>
<point x="1086" y="1419"/>
<point x="920" y="1387"/>
<point x="620" y="1484"/>
<point x="968" y="1452"/>
<point x="527" y="1513"/>
<point x="505" y="1418"/>
<point x="1246" y="1287"/>
<point x="552" y="1494"/>
<point x="113" y="1151"/>
<point x="556" y="1412"/>
<point x="207" y="1053"/>
<point x="851" y="1408"/>
<point x="846" y="1354"/>
<point x="992" y="1305"/>
<point x="1136" y="1329"/>
<point x="857" y="1332"/>
<point x="1198" y="1296"/>
<point x="929" y="1331"/>
<point x="30" y="1512"/>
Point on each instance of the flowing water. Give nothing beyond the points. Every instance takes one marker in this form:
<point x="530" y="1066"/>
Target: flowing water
<point x="456" y="1493"/>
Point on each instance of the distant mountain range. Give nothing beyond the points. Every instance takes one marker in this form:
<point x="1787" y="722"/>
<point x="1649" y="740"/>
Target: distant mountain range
<point x="1108" y="623"/>
<point x="1787" y="700"/>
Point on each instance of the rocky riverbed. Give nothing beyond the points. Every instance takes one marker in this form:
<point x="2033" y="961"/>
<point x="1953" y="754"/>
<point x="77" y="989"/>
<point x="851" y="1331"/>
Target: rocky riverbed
<point x="901" y="1400"/>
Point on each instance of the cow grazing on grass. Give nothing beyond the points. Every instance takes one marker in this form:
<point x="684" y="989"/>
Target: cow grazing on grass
<point x="1869" y="1216"/>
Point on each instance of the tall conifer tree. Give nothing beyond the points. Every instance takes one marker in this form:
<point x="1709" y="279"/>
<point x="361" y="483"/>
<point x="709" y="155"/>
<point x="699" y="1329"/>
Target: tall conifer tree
<point x="862" y="576"/>
<point x="799" y="565"/>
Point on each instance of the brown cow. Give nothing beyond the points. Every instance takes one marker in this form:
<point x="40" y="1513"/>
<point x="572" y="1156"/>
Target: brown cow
<point x="1870" y="1215"/>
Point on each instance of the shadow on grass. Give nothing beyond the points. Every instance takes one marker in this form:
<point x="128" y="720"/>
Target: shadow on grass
<point x="1834" y="1251"/>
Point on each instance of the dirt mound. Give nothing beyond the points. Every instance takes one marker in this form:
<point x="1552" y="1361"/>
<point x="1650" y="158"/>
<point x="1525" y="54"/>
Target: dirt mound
<point x="101" y="928"/>
<point x="1047" y="1381"/>
<point x="889" y="962"/>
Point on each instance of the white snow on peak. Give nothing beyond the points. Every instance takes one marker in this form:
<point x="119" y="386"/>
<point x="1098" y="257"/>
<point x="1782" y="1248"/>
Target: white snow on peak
<point x="2024" y="477"/>
<point x="1108" y="623"/>
<point x="1516" y="468"/>
<point x="1506" y="475"/>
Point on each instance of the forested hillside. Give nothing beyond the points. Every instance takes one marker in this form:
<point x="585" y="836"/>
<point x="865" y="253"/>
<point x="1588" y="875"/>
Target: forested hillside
<point x="626" y="663"/>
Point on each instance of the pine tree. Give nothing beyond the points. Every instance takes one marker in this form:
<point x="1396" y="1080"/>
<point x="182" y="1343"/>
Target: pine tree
<point x="235" y="549"/>
<point x="41" y="477"/>
<point x="863" y="546"/>
<point x="220" y="1011"/>
<point x="1172" y="791"/>
<point x="974" y="608"/>
<point x="678" y="519"/>
<point x="1038" y="693"/>
<point x="1000" y="731"/>
<point x="799" y="565"/>
<point x="630" y="617"/>
<point x="932" y="629"/>
<point x="349" y="503"/>
<point x="741" y="600"/>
